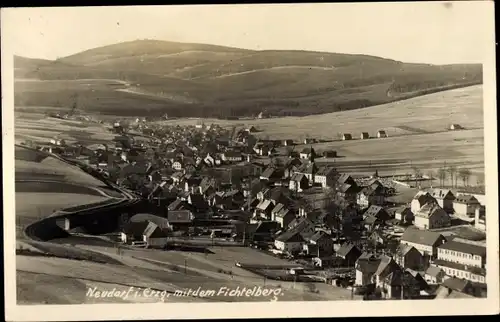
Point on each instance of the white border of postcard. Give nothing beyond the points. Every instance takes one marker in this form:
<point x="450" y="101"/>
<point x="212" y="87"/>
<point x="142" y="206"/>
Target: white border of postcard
<point x="489" y="305"/>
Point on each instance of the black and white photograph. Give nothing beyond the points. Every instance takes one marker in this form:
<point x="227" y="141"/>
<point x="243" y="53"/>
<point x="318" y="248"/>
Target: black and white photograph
<point x="265" y="160"/>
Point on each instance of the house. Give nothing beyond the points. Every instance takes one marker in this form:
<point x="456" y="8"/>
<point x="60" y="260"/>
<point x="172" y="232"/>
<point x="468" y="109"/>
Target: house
<point x="426" y="242"/>
<point x="298" y="182"/>
<point x="404" y="215"/>
<point x="284" y="217"/>
<point x="444" y="198"/>
<point x="377" y="212"/>
<point x="198" y="202"/>
<point x="346" y="179"/>
<point x="408" y="256"/>
<point x="330" y="154"/>
<point x="434" y="275"/>
<point x="307" y="153"/>
<point x="381" y="134"/>
<point x="419" y="200"/>
<point x="303" y="225"/>
<point x="154" y="236"/>
<point x="290" y="241"/>
<point x="371" y="195"/>
<point x="455" y="288"/>
<point x="388" y="277"/>
<point x="432" y="216"/>
<point x="463" y="258"/>
<point x="271" y="174"/>
<point x="209" y="160"/>
<point x="466" y="205"/>
<point x="366" y="266"/>
<point x="348" y="192"/>
<point x="346" y="136"/>
<point x="180" y="219"/>
<point x="232" y="156"/>
<point x="263" y="209"/>
<point x="287" y="142"/>
<point x="325" y="177"/>
<point x="349" y="253"/>
<point x="319" y="243"/>
<point x="309" y="169"/>
<point x="177" y="165"/>
<point x="413" y="283"/>
<point x="480" y="218"/>
<point x="133" y="231"/>
<point x="364" y="135"/>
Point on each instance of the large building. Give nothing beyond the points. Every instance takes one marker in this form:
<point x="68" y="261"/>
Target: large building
<point x="463" y="259"/>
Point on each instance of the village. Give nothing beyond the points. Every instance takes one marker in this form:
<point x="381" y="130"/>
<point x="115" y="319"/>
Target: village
<point x="208" y="185"/>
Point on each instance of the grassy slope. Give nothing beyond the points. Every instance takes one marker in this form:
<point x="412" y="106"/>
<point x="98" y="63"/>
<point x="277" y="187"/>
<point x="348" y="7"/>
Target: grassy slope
<point x="221" y="81"/>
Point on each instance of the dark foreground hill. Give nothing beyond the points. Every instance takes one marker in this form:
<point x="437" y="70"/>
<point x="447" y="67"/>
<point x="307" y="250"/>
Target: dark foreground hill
<point x="148" y="77"/>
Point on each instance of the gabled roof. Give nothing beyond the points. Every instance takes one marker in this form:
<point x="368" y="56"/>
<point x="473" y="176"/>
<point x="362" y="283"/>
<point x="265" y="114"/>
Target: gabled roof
<point x="433" y="271"/>
<point x="466" y="199"/>
<point x="429" y="209"/>
<point x="422" y="237"/>
<point x="441" y="193"/>
<point x="298" y="177"/>
<point x="290" y="236"/>
<point x="325" y="171"/>
<point x="403" y="249"/>
<point x="135" y="228"/>
<point x="153" y="231"/>
<point x="387" y="265"/>
<point x="456" y="284"/>
<point x="376" y="211"/>
<point x="264" y="204"/>
<point x="180" y="217"/>
<point x="464" y="247"/>
<point x="345" y="249"/>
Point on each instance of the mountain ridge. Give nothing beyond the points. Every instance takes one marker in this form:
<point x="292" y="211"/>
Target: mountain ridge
<point x="228" y="82"/>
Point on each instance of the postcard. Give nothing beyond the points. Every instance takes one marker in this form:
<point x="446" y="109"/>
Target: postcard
<point x="242" y="161"/>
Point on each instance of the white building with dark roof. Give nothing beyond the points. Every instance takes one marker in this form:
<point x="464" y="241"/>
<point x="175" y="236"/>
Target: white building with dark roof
<point x="431" y="216"/>
<point x="465" y="205"/>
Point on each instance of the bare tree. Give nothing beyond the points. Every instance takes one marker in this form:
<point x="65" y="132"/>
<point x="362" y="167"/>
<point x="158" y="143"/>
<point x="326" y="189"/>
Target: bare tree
<point x="464" y="174"/>
<point x="442" y="176"/>
<point x="452" y="170"/>
<point x="417" y="173"/>
<point x="431" y="174"/>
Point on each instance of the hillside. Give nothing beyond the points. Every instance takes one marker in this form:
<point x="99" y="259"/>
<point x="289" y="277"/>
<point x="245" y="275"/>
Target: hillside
<point x="148" y="77"/>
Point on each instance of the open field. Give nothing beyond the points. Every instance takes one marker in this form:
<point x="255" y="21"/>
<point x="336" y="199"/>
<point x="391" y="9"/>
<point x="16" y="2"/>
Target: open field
<point x="417" y="130"/>
<point x="33" y="125"/>
<point x="428" y="113"/>
<point x="30" y="166"/>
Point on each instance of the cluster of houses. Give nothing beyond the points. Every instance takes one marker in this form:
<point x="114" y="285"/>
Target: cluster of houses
<point x="435" y="208"/>
<point x="204" y="173"/>
<point x="364" y="135"/>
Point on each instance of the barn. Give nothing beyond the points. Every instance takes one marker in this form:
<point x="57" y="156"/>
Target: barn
<point x="381" y="134"/>
<point x="455" y="127"/>
<point x="365" y="135"/>
<point x="346" y="136"/>
<point x="330" y="154"/>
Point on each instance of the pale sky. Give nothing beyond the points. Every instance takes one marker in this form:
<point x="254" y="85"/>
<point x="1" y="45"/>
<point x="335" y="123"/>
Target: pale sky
<point x="412" y="32"/>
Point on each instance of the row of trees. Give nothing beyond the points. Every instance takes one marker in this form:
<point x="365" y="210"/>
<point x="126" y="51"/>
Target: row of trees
<point x="451" y="172"/>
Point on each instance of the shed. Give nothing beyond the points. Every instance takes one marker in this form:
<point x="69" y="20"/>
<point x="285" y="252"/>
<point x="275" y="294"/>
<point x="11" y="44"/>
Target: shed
<point x="381" y="134"/>
<point x="330" y="154"/>
<point x="364" y="135"/>
<point x="346" y="136"/>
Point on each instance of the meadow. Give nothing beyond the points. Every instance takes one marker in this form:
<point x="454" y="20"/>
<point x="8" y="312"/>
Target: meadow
<point x="417" y="128"/>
